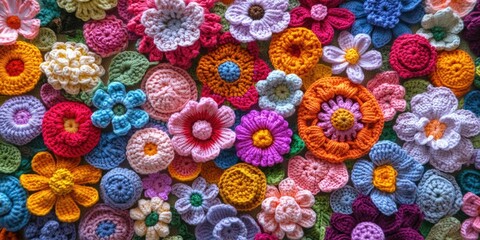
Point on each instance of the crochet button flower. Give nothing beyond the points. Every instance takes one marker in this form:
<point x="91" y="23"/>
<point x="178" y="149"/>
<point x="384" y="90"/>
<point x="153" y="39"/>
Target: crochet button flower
<point x="107" y="36"/>
<point x="120" y="108"/>
<point x="157" y="185"/>
<point x="17" y="17"/>
<point x="85" y="10"/>
<point x="471" y="206"/>
<point x="389" y="93"/>
<point x="104" y="222"/>
<point x="13" y="213"/>
<point x="442" y="29"/>
<point x="151" y="218"/>
<point x="60" y="183"/>
<point x="436" y="132"/>
<point x="352" y="56"/>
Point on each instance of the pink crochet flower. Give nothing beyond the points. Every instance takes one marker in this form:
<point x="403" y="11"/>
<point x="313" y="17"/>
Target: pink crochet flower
<point x="106" y="37"/>
<point x="471" y="227"/>
<point x="202" y="129"/>
<point x="322" y="17"/>
<point x="461" y="7"/>
<point x="286" y="210"/>
<point x="386" y="88"/>
<point x="17" y="17"/>
<point x="316" y="175"/>
<point x="157" y="185"/>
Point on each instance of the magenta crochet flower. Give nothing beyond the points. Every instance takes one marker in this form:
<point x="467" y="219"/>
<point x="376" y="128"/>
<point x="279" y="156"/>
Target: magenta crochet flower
<point x="157" y="185"/>
<point x="386" y="88"/>
<point x="17" y="17"/>
<point x="262" y="138"/>
<point x="323" y="17"/>
<point x="106" y="37"/>
<point x="471" y="227"/>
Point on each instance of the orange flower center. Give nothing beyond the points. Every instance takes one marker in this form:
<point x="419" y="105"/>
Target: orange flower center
<point x="14" y="22"/>
<point x="150" y="149"/>
<point x="70" y="125"/>
<point x="342" y="119"/>
<point x="262" y="138"/>
<point x="435" y="128"/>
<point x="385" y="178"/>
<point x="351" y="56"/>
<point x="61" y="182"/>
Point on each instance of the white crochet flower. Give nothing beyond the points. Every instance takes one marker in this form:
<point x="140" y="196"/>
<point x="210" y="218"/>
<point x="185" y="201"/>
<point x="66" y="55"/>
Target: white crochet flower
<point x="72" y="67"/>
<point x="173" y="24"/>
<point x="151" y="218"/>
<point x="442" y="29"/>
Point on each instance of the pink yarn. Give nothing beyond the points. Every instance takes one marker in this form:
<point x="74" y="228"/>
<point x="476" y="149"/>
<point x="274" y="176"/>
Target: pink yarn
<point x="107" y="36"/>
<point x="50" y="96"/>
<point x="386" y="88"/>
<point x="471" y="227"/>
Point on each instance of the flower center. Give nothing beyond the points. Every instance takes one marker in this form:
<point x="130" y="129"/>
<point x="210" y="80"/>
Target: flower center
<point x="14" y="22"/>
<point x="435" y="128"/>
<point x="282" y="92"/>
<point x="22" y="116"/>
<point x="105" y="228"/>
<point x="70" y="125"/>
<point x="438" y="33"/>
<point x="119" y="109"/>
<point x="262" y="138"/>
<point x="5" y="204"/>
<point x="196" y="199"/>
<point x="318" y="12"/>
<point x="151" y="219"/>
<point x="295" y="50"/>
<point x="383" y="13"/>
<point x="174" y="24"/>
<point x="229" y="71"/>
<point x="385" y="178"/>
<point x="61" y="182"/>
<point x="351" y="56"/>
<point x="202" y="130"/>
<point x="150" y="149"/>
<point x="342" y="119"/>
<point x="256" y="12"/>
<point x="367" y="230"/>
<point x="288" y="210"/>
<point x="15" y="67"/>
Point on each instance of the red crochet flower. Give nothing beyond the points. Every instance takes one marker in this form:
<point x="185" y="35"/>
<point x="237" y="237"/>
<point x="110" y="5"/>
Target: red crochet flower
<point x="68" y="131"/>
<point x="322" y="17"/>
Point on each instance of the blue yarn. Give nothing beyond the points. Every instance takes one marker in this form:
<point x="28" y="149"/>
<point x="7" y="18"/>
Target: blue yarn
<point x="13" y="195"/>
<point x="229" y="71"/>
<point x="121" y="188"/>
<point x="105" y="228"/>
<point x="48" y="11"/>
<point x="469" y="180"/>
<point x="342" y="199"/>
<point x="109" y="153"/>
<point x="472" y="102"/>
<point x="49" y="228"/>
<point x="226" y="158"/>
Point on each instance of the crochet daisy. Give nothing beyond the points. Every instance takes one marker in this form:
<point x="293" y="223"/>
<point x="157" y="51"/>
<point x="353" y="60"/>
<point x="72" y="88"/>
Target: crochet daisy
<point x="17" y="17"/>
<point x="151" y="218"/>
<point x="442" y="29"/>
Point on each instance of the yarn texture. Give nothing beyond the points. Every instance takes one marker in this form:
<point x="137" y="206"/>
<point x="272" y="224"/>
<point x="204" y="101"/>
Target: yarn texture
<point x="49" y="227"/>
<point x="341" y="200"/>
<point x="106" y="37"/>
<point x="13" y="213"/>
<point x="109" y="153"/>
<point x="470" y="205"/>
<point x="121" y="188"/>
<point x="184" y="168"/>
<point x="442" y="29"/>
<point x="390" y="95"/>
<point x="462" y="9"/>
<point x="18" y="19"/>
<point x="157" y="185"/>
<point x="94" y="9"/>
<point x="151" y="218"/>
<point x="455" y="70"/>
<point x="472" y="28"/>
<point x="104" y="222"/>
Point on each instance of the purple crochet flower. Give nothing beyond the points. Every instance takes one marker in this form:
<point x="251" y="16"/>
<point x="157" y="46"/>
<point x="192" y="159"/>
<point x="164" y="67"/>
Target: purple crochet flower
<point x="157" y="185"/>
<point x="262" y="138"/>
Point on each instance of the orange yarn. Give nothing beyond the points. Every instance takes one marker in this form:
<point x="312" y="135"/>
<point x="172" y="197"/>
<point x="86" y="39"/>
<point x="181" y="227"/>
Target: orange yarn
<point x="184" y="169"/>
<point x="6" y="235"/>
<point x="385" y="178"/>
<point x="317" y="72"/>
<point x="295" y="50"/>
<point x="314" y="137"/>
<point x="455" y="70"/>
<point x="19" y="68"/>
<point x="211" y="172"/>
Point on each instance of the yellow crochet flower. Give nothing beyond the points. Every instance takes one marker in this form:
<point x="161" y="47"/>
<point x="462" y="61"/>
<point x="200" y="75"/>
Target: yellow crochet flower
<point x="60" y="183"/>
<point x="94" y="9"/>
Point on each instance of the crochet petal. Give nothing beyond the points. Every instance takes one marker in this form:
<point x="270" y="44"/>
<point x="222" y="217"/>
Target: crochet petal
<point x="226" y="116"/>
<point x="86" y="174"/>
<point x="410" y="5"/>
<point x="134" y="98"/>
<point x="435" y="103"/>
<point x="183" y="205"/>
<point x="29" y="28"/>
<point x="332" y="54"/>
<point x="121" y="125"/>
<point x="267" y="221"/>
<point x="269" y="205"/>
<point x="356" y="7"/>
<point x="340" y="18"/>
<point x="324" y="32"/>
<point x="40" y="203"/>
<point x="260" y="30"/>
<point x="336" y="178"/>
<point x="384" y="202"/>
<point x="102" y="100"/>
<point x="343" y="223"/>
<point x="381" y="37"/>
<point x="9" y="36"/>
<point x="66" y="209"/>
<point x="297" y="233"/>
<point x="241" y="33"/>
<point x="362" y="43"/>
<point x="84" y="195"/>
<point x="308" y="218"/>
<point x="237" y="14"/>
<point x="469" y="123"/>
<point x="471" y="203"/>
<point x="467" y="230"/>
<point x="102" y="118"/>
<point x="355" y="73"/>
<point x="371" y="60"/>
<point x="419" y="152"/>
<point x="414" y="16"/>
<point x="362" y="26"/>
<point x="183" y="145"/>
<point x="116" y="91"/>
<point x="219" y="212"/>
<point x="364" y="210"/>
<point x="401" y="29"/>
<point x="44" y="164"/>
<point x="28" y="9"/>
<point x="406" y="233"/>
<point x="277" y="20"/>
<point x="362" y="176"/>
<point x="405" y="192"/>
<point x="299" y="16"/>
<point x="34" y="182"/>
<point x="68" y="163"/>
<point x="211" y="192"/>
<point x="137" y="117"/>
<point x="452" y="160"/>
<point x="346" y="40"/>
<point x="406" y="126"/>
<point x="304" y="199"/>
<point x="251" y="226"/>
<point x="205" y="153"/>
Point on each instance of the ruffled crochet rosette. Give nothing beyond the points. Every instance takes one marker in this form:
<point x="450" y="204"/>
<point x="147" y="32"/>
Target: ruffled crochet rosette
<point x="106" y="37"/>
<point x="121" y="188"/>
<point x="104" y="222"/>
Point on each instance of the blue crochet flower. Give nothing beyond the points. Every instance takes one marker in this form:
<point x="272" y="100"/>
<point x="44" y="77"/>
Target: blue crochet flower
<point x="389" y="177"/>
<point x="121" y="188"/>
<point x="109" y="153"/>
<point x="48" y="227"/>
<point x="13" y="198"/>
<point x="120" y="108"/>
<point x="384" y="20"/>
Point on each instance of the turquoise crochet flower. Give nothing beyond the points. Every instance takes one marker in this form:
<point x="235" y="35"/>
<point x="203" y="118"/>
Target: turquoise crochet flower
<point x="280" y="93"/>
<point x="120" y="108"/>
<point x="49" y="10"/>
<point x="389" y="178"/>
<point x="13" y="211"/>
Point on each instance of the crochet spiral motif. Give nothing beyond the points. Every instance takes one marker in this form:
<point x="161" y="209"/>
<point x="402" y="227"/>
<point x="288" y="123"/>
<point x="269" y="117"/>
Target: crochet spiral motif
<point x="121" y="188"/>
<point x="104" y="222"/>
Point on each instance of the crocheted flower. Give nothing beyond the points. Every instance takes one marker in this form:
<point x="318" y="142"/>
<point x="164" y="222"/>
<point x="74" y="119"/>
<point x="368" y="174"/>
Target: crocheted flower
<point x="201" y="129"/>
<point x="341" y="200"/>
<point x="286" y="210"/>
<point x="455" y="70"/>
<point x="264" y="236"/>
<point x="257" y="19"/>
<point x="366" y="222"/>
<point x="109" y="153"/>
<point x="262" y="138"/>
<point x="462" y="8"/>
<point x="472" y="30"/>
<point x="13" y="213"/>
<point x="352" y="56"/>
<point x="157" y="185"/>
<point x="121" y="188"/>
<point x="104" y="222"/>
<point x="50" y="96"/>
<point x="92" y="9"/>
<point x="222" y="222"/>
<point x="194" y="202"/>
<point x="60" y="182"/>
<point x="81" y="69"/>
<point x="384" y="20"/>
<point x="49" y="227"/>
<point x="120" y="108"/>
<point x="442" y="29"/>
<point x="68" y="131"/>
<point x="339" y="120"/>
<point x="315" y="175"/>
<point x="17" y="17"/>
<point x="184" y="169"/>
<point x="436" y="132"/>
<point x="390" y="95"/>
<point x="471" y="206"/>
<point x="151" y="218"/>
<point x="446" y="228"/>
<point x="106" y="37"/>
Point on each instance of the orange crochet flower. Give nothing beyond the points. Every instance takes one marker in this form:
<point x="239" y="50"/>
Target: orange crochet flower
<point x="60" y="183"/>
<point x="339" y="120"/>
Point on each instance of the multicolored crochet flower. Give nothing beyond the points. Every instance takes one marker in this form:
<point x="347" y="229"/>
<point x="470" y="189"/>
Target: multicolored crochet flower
<point x="436" y="132"/>
<point x="193" y="202"/>
<point x="390" y="95"/>
<point x="384" y="20"/>
<point x="86" y="10"/>
<point x="119" y="107"/>
<point x="13" y="213"/>
<point x="201" y="129"/>
<point x="366" y="222"/>
<point x="352" y="56"/>
<point x="471" y="206"/>
<point x="157" y="185"/>
<point x="256" y="19"/>
<point x="104" y="222"/>
<point x="60" y="183"/>
<point x="323" y="17"/>
<point x="442" y="29"/>
<point x="462" y="8"/>
<point x="17" y="17"/>
<point x="151" y="218"/>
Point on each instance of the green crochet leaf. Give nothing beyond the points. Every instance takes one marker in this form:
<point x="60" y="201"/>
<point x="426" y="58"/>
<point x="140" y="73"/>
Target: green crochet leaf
<point x="274" y="174"/>
<point x="323" y="210"/>
<point x="128" y="67"/>
<point x="296" y="146"/>
<point x="10" y="158"/>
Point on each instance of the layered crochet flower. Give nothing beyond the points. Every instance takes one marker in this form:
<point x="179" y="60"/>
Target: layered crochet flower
<point x="104" y="222"/>
<point x="366" y="222"/>
<point x="436" y="132"/>
<point x="93" y="9"/>
<point x="472" y="30"/>
<point x="323" y="17"/>
<point x="18" y="17"/>
<point x="157" y="185"/>
<point x="60" y="183"/>
<point x="384" y="20"/>
<point x="471" y="206"/>
<point x="49" y="227"/>
<point x="442" y="29"/>
<point x="462" y="8"/>
<point x="106" y="37"/>
<point x="256" y="19"/>
<point x="80" y="69"/>
<point x="13" y="213"/>
<point x="352" y="56"/>
<point x="193" y="202"/>
<point x="222" y="222"/>
<point x="119" y="107"/>
<point x="263" y="138"/>
<point x="201" y="129"/>
<point x="390" y="95"/>
<point x="151" y="218"/>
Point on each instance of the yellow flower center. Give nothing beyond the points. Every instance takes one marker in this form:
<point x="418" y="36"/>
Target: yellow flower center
<point x="262" y="138"/>
<point x="342" y="119"/>
<point x="61" y="182"/>
<point x="14" y="22"/>
<point x="70" y="125"/>
<point x="435" y="128"/>
<point x="385" y="178"/>
<point x="351" y="56"/>
<point x="150" y="149"/>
